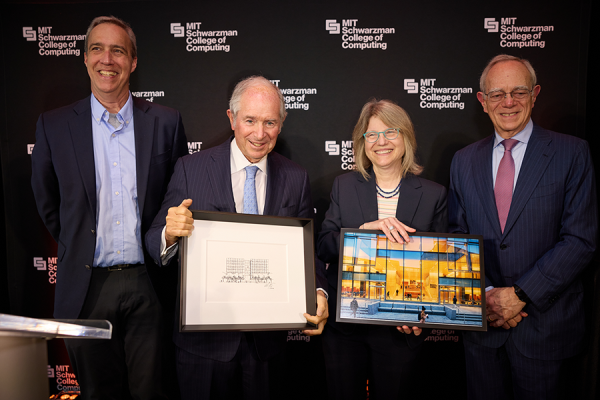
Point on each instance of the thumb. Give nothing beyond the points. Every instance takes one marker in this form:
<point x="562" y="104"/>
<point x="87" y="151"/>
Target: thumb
<point x="186" y="203"/>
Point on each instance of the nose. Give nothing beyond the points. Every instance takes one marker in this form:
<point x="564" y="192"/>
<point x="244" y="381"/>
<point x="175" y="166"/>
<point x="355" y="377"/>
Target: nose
<point x="508" y="100"/>
<point x="381" y="140"/>
<point x="260" y="131"/>
<point x="106" y="58"/>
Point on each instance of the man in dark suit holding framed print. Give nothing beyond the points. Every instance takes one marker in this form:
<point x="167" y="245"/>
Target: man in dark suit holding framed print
<point x="241" y="175"/>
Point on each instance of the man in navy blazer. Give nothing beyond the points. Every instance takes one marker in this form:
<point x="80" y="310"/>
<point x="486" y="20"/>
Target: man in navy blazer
<point x="221" y="364"/>
<point x="533" y="199"/>
<point x="101" y="167"/>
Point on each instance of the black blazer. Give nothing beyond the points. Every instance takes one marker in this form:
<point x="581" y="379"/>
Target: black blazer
<point x="421" y="205"/>
<point x="64" y="185"/>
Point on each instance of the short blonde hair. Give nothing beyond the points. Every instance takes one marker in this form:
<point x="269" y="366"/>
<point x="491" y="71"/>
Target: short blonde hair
<point x="393" y="116"/>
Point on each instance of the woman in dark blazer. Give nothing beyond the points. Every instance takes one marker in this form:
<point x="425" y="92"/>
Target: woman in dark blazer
<point x="383" y="193"/>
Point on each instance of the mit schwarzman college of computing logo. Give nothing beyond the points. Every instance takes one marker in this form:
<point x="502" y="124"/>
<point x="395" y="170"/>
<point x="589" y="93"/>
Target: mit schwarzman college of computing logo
<point x="355" y="37"/>
<point x="197" y="39"/>
<point x="432" y="96"/>
<point x="52" y="44"/>
<point x="345" y="151"/>
<point x="516" y="35"/>
<point x="46" y="264"/>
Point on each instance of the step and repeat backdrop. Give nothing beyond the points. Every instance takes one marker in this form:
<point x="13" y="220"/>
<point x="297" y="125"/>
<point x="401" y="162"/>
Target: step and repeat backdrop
<point x="328" y="58"/>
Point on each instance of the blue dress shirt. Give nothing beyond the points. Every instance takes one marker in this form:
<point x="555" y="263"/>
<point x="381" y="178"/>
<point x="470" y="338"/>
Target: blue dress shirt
<point x="118" y="223"/>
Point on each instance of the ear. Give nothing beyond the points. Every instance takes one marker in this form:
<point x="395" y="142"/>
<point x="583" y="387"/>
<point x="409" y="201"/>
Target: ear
<point x="133" y="65"/>
<point x="231" y="119"/>
<point x="536" y="91"/>
<point x="481" y="99"/>
<point x="85" y="58"/>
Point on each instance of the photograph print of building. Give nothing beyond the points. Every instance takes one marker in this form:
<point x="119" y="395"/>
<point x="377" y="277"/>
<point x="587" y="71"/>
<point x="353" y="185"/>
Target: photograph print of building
<point x="436" y="279"/>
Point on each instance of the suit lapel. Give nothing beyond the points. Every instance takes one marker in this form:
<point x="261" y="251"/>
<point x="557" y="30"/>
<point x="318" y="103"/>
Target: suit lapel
<point x="275" y="186"/>
<point x="81" y="134"/>
<point x="536" y="160"/>
<point x="484" y="183"/>
<point x="144" y="131"/>
<point x="408" y="200"/>
<point x="367" y="196"/>
<point x="219" y="175"/>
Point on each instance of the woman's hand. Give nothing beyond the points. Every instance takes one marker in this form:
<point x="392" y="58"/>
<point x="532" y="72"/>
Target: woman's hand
<point x="395" y="230"/>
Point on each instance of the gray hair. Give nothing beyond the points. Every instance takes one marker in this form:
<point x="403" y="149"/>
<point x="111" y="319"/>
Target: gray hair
<point x="115" y="21"/>
<point x="255" y="81"/>
<point x="502" y="58"/>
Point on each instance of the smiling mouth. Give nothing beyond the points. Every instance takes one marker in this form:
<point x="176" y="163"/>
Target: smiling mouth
<point x="387" y="151"/>
<point x="257" y="144"/>
<point x="508" y="114"/>
<point x="107" y="73"/>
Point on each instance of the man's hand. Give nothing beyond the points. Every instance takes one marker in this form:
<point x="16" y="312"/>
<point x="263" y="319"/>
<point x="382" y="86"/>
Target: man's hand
<point x="321" y="318"/>
<point x="503" y="307"/>
<point x="179" y="222"/>
<point x="408" y="330"/>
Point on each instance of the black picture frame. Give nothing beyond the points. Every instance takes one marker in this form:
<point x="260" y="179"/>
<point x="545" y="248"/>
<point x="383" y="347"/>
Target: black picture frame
<point x="216" y="306"/>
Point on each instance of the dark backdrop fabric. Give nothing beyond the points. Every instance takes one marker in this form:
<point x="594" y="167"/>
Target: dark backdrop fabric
<point x="423" y="55"/>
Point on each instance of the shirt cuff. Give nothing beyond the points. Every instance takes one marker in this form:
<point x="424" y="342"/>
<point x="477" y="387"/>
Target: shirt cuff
<point x="166" y="253"/>
<point x="324" y="292"/>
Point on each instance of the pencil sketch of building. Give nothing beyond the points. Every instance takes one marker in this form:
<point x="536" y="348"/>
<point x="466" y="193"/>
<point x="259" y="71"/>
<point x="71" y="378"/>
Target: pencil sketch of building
<point x="241" y="270"/>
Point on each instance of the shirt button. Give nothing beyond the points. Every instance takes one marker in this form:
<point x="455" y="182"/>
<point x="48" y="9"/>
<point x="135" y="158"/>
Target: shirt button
<point x="117" y="193"/>
<point x="88" y="267"/>
<point x="118" y="251"/>
<point x="118" y="222"/>
<point x="113" y="135"/>
<point x="115" y="164"/>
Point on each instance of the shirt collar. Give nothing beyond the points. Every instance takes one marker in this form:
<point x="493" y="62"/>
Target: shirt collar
<point x="239" y="161"/>
<point x="99" y="113"/>
<point x="522" y="136"/>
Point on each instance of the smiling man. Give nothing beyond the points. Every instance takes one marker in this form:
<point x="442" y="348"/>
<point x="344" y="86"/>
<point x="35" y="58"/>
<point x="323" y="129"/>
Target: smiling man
<point x="531" y="194"/>
<point x="242" y="175"/>
<point x="100" y="171"/>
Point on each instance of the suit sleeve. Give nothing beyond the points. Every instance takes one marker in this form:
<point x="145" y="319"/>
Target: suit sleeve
<point x="440" y="218"/>
<point x="44" y="181"/>
<point x="180" y="147"/>
<point x="177" y="191"/>
<point x="561" y="265"/>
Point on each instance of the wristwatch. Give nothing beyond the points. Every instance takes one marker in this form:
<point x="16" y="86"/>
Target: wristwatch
<point x="521" y="294"/>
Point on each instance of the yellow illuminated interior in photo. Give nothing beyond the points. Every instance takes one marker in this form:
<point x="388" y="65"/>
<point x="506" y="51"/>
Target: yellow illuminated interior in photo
<point x="428" y="269"/>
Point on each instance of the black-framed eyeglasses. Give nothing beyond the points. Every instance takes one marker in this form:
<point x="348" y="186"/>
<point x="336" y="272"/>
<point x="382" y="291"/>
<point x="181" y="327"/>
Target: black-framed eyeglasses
<point x="389" y="134"/>
<point x="499" y="95"/>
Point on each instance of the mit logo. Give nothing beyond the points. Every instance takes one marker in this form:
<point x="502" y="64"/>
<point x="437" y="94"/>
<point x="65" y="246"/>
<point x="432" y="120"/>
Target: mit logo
<point x="490" y="24"/>
<point x="411" y="86"/>
<point x="332" y="26"/>
<point x="332" y="148"/>
<point x="29" y="34"/>
<point x="177" y="30"/>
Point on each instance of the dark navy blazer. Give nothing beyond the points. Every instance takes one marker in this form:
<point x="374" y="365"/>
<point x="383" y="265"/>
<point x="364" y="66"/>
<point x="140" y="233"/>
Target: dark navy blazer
<point x="64" y="185"/>
<point x="205" y="177"/>
<point x="421" y="205"/>
<point x="549" y="238"/>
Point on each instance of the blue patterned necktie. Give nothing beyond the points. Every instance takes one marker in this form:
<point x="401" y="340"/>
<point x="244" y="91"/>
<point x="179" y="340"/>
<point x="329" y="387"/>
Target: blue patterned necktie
<point x="250" y="204"/>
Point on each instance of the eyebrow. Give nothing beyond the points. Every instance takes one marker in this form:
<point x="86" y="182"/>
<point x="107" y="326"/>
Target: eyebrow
<point x="112" y="46"/>
<point x="520" y="87"/>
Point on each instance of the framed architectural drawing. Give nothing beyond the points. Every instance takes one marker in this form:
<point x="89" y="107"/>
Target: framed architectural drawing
<point x="247" y="272"/>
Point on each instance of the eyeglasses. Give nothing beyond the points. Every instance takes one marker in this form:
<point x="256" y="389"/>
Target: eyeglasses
<point x="499" y="95"/>
<point x="389" y="134"/>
